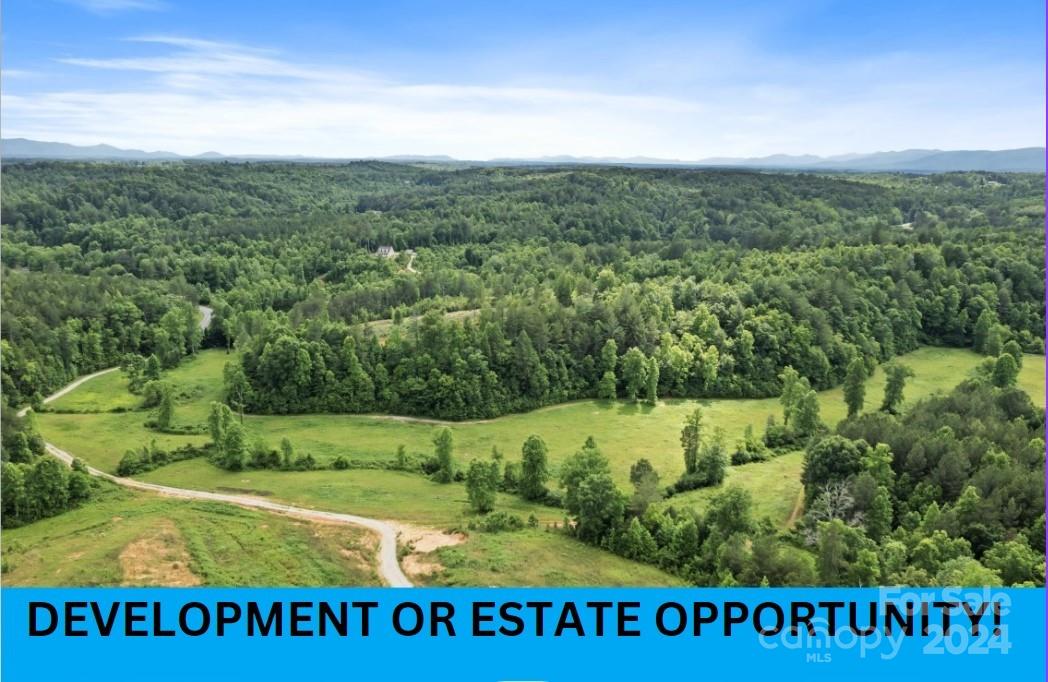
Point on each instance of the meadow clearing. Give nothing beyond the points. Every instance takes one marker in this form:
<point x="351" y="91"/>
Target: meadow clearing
<point x="624" y="431"/>
<point x="132" y="538"/>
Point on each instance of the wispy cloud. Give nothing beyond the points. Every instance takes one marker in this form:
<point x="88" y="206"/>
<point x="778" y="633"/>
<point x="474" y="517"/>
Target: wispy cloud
<point x="110" y="6"/>
<point x="199" y="95"/>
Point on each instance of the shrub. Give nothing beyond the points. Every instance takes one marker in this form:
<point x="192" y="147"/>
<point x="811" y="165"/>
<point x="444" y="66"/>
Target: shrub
<point x="497" y="522"/>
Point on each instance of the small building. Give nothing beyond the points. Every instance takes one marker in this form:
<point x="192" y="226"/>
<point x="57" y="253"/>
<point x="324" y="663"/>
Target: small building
<point x="386" y="251"/>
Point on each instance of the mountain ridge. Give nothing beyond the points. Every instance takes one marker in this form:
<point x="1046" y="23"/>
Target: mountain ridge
<point x="1025" y="159"/>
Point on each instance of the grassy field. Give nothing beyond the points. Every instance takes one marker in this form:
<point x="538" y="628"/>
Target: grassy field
<point x="539" y="557"/>
<point x="625" y="432"/>
<point x="775" y="486"/>
<point x="127" y="538"/>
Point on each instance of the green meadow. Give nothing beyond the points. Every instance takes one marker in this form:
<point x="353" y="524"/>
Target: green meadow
<point x="131" y="538"/>
<point x="624" y="431"/>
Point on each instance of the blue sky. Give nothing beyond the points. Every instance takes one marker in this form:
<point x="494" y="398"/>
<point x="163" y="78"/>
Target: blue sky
<point x="685" y="80"/>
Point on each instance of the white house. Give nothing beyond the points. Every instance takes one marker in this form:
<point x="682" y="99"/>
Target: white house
<point x="386" y="251"/>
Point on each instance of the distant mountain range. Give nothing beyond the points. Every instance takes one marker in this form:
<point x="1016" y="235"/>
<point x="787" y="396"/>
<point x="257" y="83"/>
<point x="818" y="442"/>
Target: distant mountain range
<point x="1027" y="159"/>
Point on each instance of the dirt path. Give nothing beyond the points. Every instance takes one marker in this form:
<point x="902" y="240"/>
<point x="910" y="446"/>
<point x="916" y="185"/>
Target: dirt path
<point x="388" y="565"/>
<point x="411" y="262"/>
<point x="798" y="509"/>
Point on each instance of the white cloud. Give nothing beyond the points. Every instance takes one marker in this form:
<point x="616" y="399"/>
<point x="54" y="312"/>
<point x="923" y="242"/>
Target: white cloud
<point x="108" y="6"/>
<point x="202" y="95"/>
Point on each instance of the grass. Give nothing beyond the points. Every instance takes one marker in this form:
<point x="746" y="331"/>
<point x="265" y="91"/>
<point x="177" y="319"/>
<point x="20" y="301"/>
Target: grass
<point x="540" y="557"/>
<point x="101" y="394"/>
<point x="775" y="487"/>
<point x="624" y="431"/>
<point x="134" y="538"/>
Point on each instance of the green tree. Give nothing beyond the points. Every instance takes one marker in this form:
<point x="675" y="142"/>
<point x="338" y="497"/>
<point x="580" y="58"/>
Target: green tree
<point x="609" y="356"/>
<point x="831" y="459"/>
<point x="234" y="446"/>
<point x="878" y="517"/>
<point x="855" y="386"/>
<point x="165" y="412"/>
<point x="534" y="470"/>
<point x="237" y="387"/>
<point x="896" y="374"/>
<point x="47" y="487"/>
<point x="152" y="370"/>
<point x="806" y="420"/>
<point x="482" y="482"/>
<point x="653" y="381"/>
<point x="444" y="444"/>
<point x="793" y="387"/>
<point x="634" y="372"/>
<point x="287" y="453"/>
<point x="1015" y="350"/>
<point x="646" y="488"/>
<point x="712" y="463"/>
<point x="600" y="507"/>
<point x="218" y="421"/>
<point x="987" y="321"/>
<point x="586" y="462"/>
<point x="1016" y="562"/>
<point x="606" y="387"/>
<point x="1005" y="371"/>
<point x="691" y="440"/>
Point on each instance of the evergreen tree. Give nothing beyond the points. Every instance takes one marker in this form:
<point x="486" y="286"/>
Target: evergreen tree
<point x="691" y="440"/>
<point x="165" y="412"/>
<point x="444" y="443"/>
<point x="896" y="374"/>
<point x="482" y="481"/>
<point x="855" y="386"/>
<point x="1005" y="371"/>
<point x="634" y="372"/>
<point x="534" y="471"/>
<point x="653" y="381"/>
<point x="792" y="390"/>
<point x="806" y="414"/>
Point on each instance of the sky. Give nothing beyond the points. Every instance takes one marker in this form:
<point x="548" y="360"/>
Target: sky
<point x="481" y="80"/>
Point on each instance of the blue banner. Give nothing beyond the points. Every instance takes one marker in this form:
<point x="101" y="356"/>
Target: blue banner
<point x="488" y="635"/>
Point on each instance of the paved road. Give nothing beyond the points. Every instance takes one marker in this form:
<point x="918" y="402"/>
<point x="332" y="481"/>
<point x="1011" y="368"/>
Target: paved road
<point x="388" y="565"/>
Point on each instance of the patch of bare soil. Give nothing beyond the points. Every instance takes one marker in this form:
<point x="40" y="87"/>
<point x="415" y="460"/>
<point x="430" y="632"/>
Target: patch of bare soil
<point x="422" y="543"/>
<point x="357" y="547"/>
<point x="159" y="558"/>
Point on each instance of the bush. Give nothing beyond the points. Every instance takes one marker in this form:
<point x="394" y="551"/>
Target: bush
<point x="497" y="522"/>
<point x="149" y="457"/>
<point x="340" y="463"/>
<point x="750" y="449"/>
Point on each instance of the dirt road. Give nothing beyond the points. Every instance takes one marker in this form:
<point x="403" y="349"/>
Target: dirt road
<point x="388" y="564"/>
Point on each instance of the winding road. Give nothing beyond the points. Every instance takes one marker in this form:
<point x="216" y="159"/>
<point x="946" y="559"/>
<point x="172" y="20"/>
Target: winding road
<point x="388" y="564"/>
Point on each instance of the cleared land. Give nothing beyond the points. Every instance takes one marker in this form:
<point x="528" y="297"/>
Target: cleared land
<point x="128" y="538"/>
<point x="625" y="432"/>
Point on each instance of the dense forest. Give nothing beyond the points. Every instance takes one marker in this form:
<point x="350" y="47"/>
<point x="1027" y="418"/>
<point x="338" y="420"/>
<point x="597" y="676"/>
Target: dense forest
<point x="570" y="283"/>
<point x="514" y="288"/>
